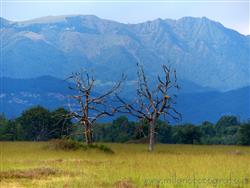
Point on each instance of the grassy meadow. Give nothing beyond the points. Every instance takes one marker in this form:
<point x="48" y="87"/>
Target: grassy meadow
<point x="28" y="164"/>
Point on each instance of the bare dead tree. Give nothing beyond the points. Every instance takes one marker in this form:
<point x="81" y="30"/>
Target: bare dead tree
<point x="151" y="104"/>
<point x="91" y="106"/>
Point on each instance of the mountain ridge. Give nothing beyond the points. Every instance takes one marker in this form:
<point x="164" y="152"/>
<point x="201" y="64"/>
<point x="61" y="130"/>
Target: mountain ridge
<point x="53" y="18"/>
<point x="203" y="51"/>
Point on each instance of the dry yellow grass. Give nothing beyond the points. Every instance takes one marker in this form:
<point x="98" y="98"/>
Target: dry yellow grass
<point x="130" y="166"/>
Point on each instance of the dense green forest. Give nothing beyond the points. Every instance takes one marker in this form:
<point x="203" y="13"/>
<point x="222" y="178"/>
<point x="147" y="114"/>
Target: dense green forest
<point x="40" y="124"/>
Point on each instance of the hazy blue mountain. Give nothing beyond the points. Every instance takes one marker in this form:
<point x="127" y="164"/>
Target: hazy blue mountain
<point x="44" y="84"/>
<point x="19" y="94"/>
<point x="203" y="51"/>
<point x="197" y="107"/>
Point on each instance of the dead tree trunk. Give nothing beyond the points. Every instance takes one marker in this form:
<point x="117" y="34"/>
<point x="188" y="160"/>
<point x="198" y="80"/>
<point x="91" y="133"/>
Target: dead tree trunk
<point x="88" y="130"/>
<point x="87" y="133"/>
<point x="89" y="138"/>
<point x="151" y="135"/>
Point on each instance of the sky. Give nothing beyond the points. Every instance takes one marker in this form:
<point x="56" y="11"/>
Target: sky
<point x="233" y="14"/>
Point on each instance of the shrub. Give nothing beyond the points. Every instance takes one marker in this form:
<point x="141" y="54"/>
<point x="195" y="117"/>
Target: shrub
<point x="69" y="144"/>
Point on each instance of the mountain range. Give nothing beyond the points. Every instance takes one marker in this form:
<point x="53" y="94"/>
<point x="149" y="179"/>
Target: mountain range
<point x="203" y="51"/>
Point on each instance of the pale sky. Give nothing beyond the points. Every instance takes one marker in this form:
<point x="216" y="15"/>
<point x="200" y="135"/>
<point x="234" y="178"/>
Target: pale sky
<point x="232" y="14"/>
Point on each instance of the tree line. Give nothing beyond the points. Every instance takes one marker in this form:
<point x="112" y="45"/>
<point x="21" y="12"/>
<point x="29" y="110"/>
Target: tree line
<point x="40" y="124"/>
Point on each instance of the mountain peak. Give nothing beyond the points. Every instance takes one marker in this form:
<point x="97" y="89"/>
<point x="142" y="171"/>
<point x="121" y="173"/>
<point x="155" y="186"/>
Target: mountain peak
<point x="4" y="22"/>
<point x="57" y="19"/>
<point x="201" y="20"/>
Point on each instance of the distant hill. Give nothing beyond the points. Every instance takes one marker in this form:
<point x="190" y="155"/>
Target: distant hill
<point x="43" y="84"/>
<point x="197" y="105"/>
<point x="203" y="51"/>
<point x="19" y="94"/>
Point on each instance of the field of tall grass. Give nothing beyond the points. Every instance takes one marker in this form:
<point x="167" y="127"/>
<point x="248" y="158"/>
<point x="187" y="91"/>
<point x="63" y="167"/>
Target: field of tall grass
<point x="28" y="164"/>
